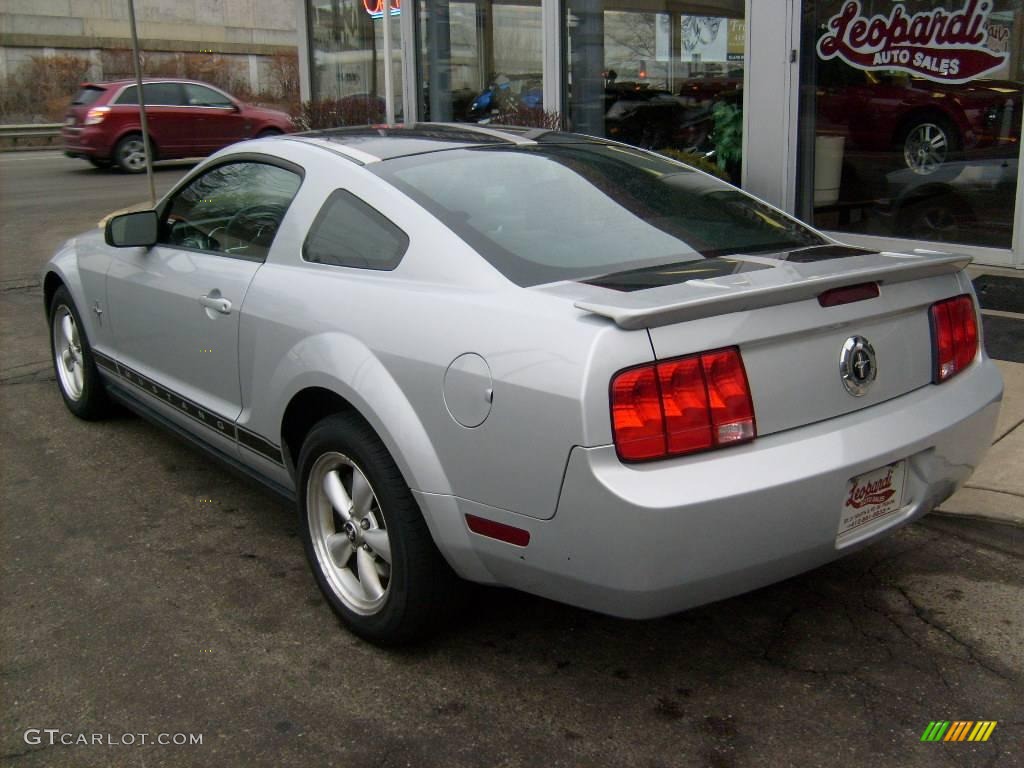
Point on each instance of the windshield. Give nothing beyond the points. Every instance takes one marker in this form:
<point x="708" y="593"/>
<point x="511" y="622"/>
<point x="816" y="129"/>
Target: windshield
<point x="554" y="212"/>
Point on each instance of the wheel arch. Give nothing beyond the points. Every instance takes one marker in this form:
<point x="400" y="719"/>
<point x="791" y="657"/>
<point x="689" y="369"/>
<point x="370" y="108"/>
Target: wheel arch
<point x="382" y="405"/>
<point x="62" y="272"/>
<point x="307" y="407"/>
<point x="51" y="283"/>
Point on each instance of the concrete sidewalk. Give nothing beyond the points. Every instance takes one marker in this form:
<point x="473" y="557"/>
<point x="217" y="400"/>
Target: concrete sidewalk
<point x="996" y="490"/>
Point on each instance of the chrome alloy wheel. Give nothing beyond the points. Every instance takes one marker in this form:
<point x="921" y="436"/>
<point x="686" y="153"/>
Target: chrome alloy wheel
<point x="926" y="148"/>
<point x="348" y="533"/>
<point x="132" y="154"/>
<point x="67" y="350"/>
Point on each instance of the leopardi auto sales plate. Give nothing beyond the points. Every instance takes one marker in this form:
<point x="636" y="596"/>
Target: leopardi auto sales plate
<point x="871" y="496"/>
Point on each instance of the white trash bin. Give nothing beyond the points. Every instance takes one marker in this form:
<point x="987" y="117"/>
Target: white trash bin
<point x="828" y="169"/>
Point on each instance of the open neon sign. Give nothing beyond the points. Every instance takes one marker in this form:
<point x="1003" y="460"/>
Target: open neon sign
<point x="376" y="7"/>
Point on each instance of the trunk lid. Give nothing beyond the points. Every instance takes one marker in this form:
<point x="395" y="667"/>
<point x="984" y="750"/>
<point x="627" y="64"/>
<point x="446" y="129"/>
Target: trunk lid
<point x="791" y="345"/>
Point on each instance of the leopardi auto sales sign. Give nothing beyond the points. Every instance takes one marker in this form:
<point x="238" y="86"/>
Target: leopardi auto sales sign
<point x="948" y="46"/>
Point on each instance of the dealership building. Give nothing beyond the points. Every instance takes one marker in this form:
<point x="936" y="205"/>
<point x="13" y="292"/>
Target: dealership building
<point x="886" y="124"/>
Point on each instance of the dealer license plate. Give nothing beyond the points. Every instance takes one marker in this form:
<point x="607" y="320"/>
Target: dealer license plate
<point x="872" y="496"/>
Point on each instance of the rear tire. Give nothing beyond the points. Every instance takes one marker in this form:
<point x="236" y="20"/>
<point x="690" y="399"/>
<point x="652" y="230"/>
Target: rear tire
<point x="130" y="154"/>
<point x="77" y="378"/>
<point x="365" y="537"/>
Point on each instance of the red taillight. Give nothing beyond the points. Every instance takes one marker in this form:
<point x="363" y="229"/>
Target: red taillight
<point x="684" y="401"/>
<point x="96" y="115"/>
<point x="732" y="411"/>
<point x="680" y="406"/>
<point x="637" y="415"/>
<point x="954" y="336"/>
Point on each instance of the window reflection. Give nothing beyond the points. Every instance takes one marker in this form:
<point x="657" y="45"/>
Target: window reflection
<point x="479" y="61"/>
<point x="347" y="57"/>
<point x="921" y="144"/>
<point x="660" y="75"/>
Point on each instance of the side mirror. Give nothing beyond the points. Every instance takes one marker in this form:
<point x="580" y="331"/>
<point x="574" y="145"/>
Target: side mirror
<point x="132" y="229"/>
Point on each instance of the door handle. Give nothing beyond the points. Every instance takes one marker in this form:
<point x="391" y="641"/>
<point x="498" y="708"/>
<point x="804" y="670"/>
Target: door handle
<point x="216" y="303"/>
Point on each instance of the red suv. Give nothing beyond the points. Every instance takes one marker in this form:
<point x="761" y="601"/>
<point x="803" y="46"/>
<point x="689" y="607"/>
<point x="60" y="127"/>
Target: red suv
<point x="186" y="119"/>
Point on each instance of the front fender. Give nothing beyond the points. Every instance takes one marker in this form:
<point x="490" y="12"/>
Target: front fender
<point x="81" y="266"/>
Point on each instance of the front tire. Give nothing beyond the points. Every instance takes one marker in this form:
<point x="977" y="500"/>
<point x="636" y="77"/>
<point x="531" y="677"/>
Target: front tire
<point x="365" y="537"/>
<point x="95" y="162"/>
<point x="77" y="378"/>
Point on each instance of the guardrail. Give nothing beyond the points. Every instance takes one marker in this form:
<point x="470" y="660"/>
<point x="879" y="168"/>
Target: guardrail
<point x="29" y="136"/>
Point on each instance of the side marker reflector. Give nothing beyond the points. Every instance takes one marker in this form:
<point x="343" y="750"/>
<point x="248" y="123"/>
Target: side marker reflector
<point x="495" y="530"/>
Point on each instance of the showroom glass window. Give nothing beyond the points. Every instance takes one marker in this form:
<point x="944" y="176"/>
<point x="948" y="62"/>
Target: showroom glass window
<point x="910" y="118"/>
<point x="479" y="61"/>
<point x="346" y="40"/>
<point x="658" y="74"/>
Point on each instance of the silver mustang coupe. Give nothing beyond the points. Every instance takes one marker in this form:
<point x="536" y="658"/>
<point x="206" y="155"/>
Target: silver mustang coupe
<point x="532" y="359"/>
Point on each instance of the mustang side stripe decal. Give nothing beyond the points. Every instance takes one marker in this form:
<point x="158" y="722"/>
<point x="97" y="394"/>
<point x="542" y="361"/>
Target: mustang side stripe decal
<point x="240" y="435"/>
<point x="254" y="442"/>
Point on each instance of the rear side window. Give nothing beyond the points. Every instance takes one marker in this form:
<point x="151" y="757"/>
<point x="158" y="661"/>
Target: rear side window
<point x="157" y="95"/>
<point x="349" y="233"/>
<point x="87" y="96"/>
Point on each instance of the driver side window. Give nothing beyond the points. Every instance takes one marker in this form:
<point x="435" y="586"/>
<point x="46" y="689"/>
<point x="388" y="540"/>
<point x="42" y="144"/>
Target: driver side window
<point x="234" y="209"/>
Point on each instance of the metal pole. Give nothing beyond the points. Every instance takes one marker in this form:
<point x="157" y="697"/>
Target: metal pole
<point x="389" y="83"/>
<point x="142" y="102"/>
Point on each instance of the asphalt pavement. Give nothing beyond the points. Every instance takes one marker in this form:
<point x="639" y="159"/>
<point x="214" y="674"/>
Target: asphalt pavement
<point x="145" y="591"/>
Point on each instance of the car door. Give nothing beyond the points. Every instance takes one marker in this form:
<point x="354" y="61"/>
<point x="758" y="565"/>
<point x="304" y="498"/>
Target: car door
<point x="220" y="120"/>
<point x="172" y="128"/>
<point x="175" y="306"/>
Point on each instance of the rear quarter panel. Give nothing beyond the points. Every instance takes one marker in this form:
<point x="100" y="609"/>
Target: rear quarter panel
<point x="384" y="340"/>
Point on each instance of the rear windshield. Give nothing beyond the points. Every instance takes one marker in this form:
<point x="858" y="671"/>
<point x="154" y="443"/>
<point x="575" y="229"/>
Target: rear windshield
<point x="87" y="96"/>
<point x="554" y="212"/>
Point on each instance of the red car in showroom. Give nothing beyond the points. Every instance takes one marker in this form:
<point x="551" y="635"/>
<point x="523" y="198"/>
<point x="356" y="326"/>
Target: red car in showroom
<point x="186" y="119"/>
<point x="924" y="123"/>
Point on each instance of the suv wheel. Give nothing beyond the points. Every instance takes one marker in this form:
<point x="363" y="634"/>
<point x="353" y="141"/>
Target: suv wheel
<point x="130" y="154"/>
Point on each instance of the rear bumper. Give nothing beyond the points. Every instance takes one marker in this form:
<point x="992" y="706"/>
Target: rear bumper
<point x="86" y="141"/>
<point x="643" y="541"/>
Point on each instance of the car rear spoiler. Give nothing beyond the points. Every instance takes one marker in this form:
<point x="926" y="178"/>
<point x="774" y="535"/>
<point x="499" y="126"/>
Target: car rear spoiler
<point x="784" y="284"/>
